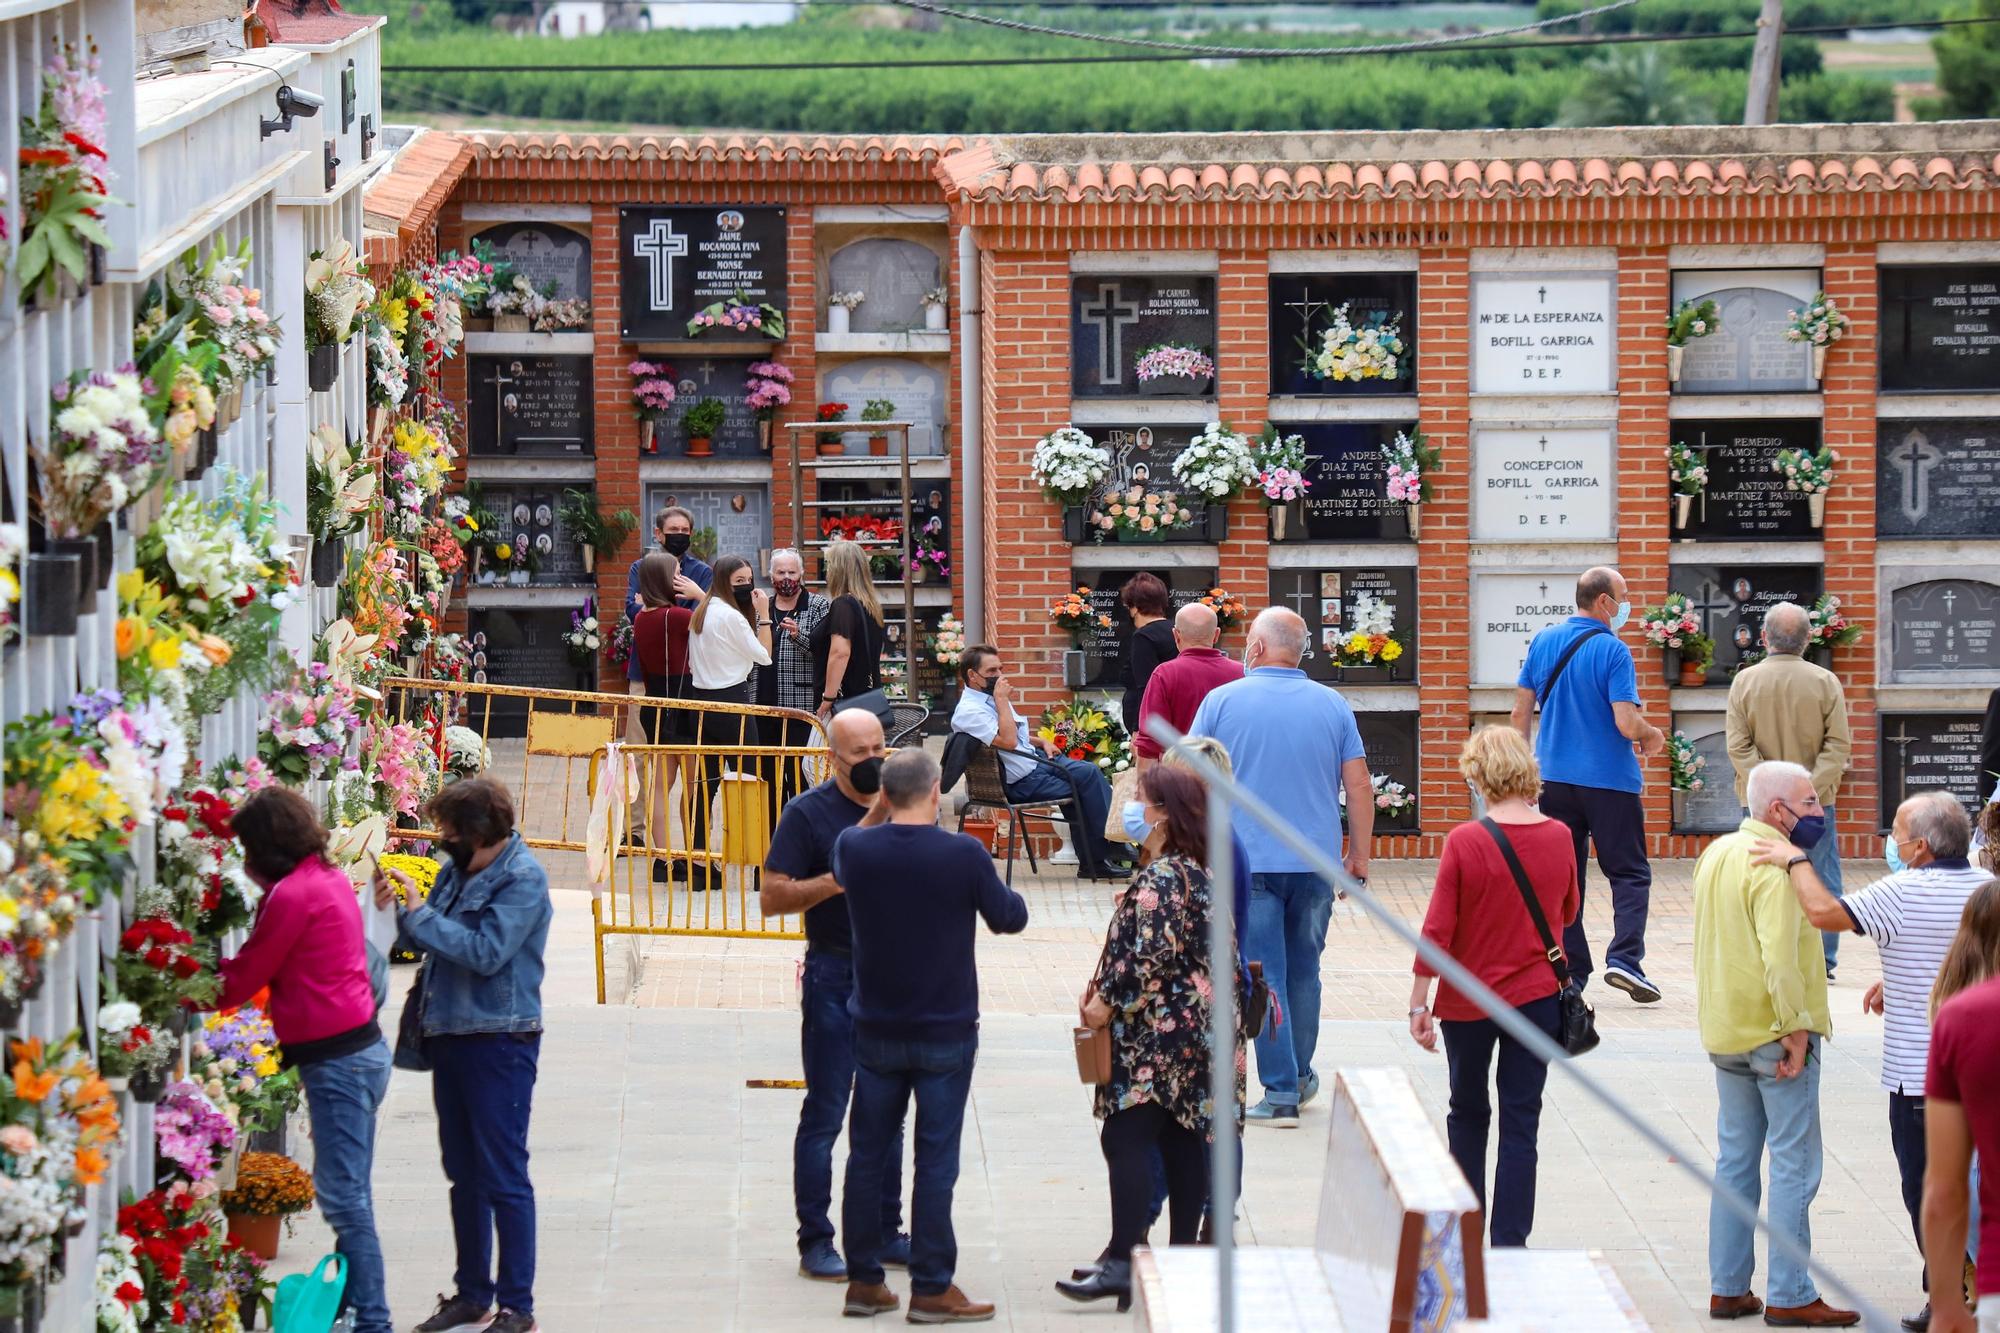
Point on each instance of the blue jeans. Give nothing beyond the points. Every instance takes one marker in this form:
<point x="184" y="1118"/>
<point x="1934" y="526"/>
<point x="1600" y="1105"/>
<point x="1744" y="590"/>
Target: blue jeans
<point x="1825" y="856"/>
<point x="343" y="1096"/>
<point x="1289" y="912"/>
<point x="1906" y="1136"/>
<point x="1045" y="784"/>
<point x="886" y="1074"/>
<point x="1754" y="1110"/>
<point x="826" y="1042"/>
<point x="483" y="1085"/>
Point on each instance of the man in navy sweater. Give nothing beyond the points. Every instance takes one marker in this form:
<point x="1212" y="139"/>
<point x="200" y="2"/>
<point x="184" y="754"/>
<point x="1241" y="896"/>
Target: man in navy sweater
<point x="913" y="892"/>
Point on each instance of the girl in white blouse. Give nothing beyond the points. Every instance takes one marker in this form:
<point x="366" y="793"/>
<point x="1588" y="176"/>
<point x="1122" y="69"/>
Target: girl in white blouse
<point x="728" y="639"/>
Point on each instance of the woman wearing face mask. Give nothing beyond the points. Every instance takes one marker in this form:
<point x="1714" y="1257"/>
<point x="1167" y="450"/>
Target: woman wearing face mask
<point x="308" y="947"/>
<point x="1152" y="989"/>
<point x="482" y="933"/>
<point x="728" y="639"/>
<point x="660" y="647"/>
<point x="792" y="680"/>
<point x="847" y="645"/>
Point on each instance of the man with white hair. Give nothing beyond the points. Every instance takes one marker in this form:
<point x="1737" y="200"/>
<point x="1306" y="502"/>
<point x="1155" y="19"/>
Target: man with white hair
<point x="1176" y="689"/>
<point x="1786" y="708"/>
<point x="1760" y="995"/>
<point x="1912" y="916"/>
<point x="1295" y="745"/>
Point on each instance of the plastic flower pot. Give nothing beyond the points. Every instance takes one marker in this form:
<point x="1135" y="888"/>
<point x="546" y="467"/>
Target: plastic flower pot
<point x="1073" y="521"/>
<point x="1675" y="355"/>
<point x="934" y="318"/>
<point x="106" y="552"/>
<point x="1819" y="361"/>
<point x="1174" y="386"/>
<point x="85" y="551"/>
<point x="589" y="554"/>
<point x="476" y="323"/>
<point x="1820" y="655"/>
<point x="1670" y="663"/>
<point x="1683" y="509"/>
<point x="1415" y="512"/>
<point x="510" y="323"/>
<point x="646" y="428"/>
<point x="117" y="1082"/>
<point x="1816" y="506"/>
<point x="257" y="1232"/>
<point x="54" y="585"/>
<point x="1286" y="520"/>
<point x="327" y="559"/>
<point x="198" y="459"/>
<point x="829" y="446"/>
<point x="700" y="446"/>
<point x="146" y="1088"/>
<point x="1693" y="673"/>
<point x="1680" y="808"/>
<point x="323" y="367"/>
<point x="837" y="318"/>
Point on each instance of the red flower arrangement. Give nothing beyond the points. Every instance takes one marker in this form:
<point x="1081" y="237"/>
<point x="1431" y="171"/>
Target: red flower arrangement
<point x="158" y="969"/>
<point x="202" y="862"/>
<point x="165" y="1227"/>
<point x="861" y="528"/>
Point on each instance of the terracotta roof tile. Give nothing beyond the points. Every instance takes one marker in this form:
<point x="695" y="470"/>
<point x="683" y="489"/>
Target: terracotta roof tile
<point x="406" y="199"/>
<point x="308" y="22"/>
<point x="632" y="148"/>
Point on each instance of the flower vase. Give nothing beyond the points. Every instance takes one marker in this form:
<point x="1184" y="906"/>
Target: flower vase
<point x="1675" y="355"/>
<point x="1693" y="673"/>
<point x="510" y="324"/>
<point x="54" y="588"/>
<point x="934" y="317"/>
<point x="917" y="572"/>
<point x="838" y="318"/>
<point x="646" y="428"/>
<point x="258" y="1233"/>
<point x="1683" y="510"/>
<point x="1284" y="518"/>
<point x="10" y="1014"/>
<point x="229" y="406"/>
<point x="378" y="422"/>
<point x="1816" y="506"/>
<point x="85" y="551"/>
<point x="323" y="367"/>
<point x="589" y="554"/>
<point x="1073" y="522"/>
<point x="117" y="1082"/>
<point x="1820" y="654"/>
<point x="878" y="446"/>
<point x="1819" y="362"/>
<point x="829" y="446"/>
<point x="1416" y="514"/>
<point x="148" y="1087"/>
<point x="1680" y="808"/>
<point x="700" y="446"/>
<point x="517" y="578"/>
<point x="327" y="559"/>
<point x="1174" y="386"/>
<point x="1671" y="662"/>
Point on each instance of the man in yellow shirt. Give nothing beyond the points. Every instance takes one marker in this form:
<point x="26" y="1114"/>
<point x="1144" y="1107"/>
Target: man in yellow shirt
<point x="1760" y="992"/>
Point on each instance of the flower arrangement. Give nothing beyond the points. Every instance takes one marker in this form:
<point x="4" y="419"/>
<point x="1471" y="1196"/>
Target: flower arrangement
<point x="947" y="644"/>
<point x="63" y="186"/>
<point x="388" y="363"/>
<point x="102" y="450"/>
<point x="1349" y="352"/>
<point x="337" y="291"/>
<point x="652" y="389"/>
<point x="12" y="543"/>
<point x="201" y="863"/>
<point x="1820" y="323"/>
<point x="1173" y="361"/>
<point x="1229" y="609"/>
<point x="928" y="555"/>
<point x="465" y="753"/>
<point x="863" y="528"/>
<point x="938" y="296"/>
<point x="1216" y="464"/>
<point x="168" y="1229"/>
<point x="225" y="312"/>
<point x="1371" y="641"/>
<point x="1411" y="460"/>
<point x="580" y="516"/>
<point x="1693" y="319"/>
<point x="340" y="488"/>
<point x="1806" y="470"/>
<point x="269" y="1184"/>
<point x="1141" y="515"/>
<point x="1073" y="612"/>
<point x="120" y="1291"/>
<point x="236" y="1058"/>
<point x="582" y="637"/>
<point x="191" y="1131"/>
<point x="739" y="314"/>
<point x="618" y="649"/>
<point x="1687" y="468"/>
<point x="1830" y="629"/>
<point x="1392" y="799"/>
<point x="421" y="871"/>
<point x="59" y="789"/>
<point x="402" y="763"/>
<point x="766" y="388"/>
<point x="1079" y="730"/>
<point x="830" y="412"/>
<point x="1671" y="623"/>
<point x="848" y="301"/>
<point x="429" y="456"/>
<point x="1069" y="466"/>
<point x="1684" y="763"/>
<point x="1281" y="461"/>
<point x="304" y="725"/>
<point x="38" y="909"/>
<point x="158" y="968"/>
<point x="128" y="1047"/>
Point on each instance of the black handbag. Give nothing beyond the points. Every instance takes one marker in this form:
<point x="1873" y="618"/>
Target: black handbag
<point x="1578" y="1033"/>
<point x="410" y="1052"/>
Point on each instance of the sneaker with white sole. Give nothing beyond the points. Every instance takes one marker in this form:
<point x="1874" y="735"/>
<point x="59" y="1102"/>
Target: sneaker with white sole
<point x="457" y="1315"/>
<point x="1272" y="1116"/>
<point x="1632" y="981"/>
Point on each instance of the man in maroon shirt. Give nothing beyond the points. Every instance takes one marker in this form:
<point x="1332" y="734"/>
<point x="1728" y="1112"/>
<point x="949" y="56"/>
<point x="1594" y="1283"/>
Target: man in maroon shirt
<point x="1178" y="687"/>
<point x="1961" y="1115"/>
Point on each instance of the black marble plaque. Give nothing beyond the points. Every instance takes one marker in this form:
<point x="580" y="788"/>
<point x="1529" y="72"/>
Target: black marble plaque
<point x="739" y="517"/>
<point x="1104" y="650"/>
<point x="519" y="646"/>
<point x="1713" y="808"/>
<point x="530" y="515"/>
<point x="1751" y="353"/>
<point x="1745" y="499"/>
<point x="1143" y="456"/>
<point x="1945" y="625"/>
<point x="538" y="405"/>
<point x="1302" y="306"/>
<point x="1730" y="600"/>
<point x="724" y="377"/>
<point x="1941" y="327"/>
<point x="672" y="262"/>
<point x="1925" y="752"/>
<point x="892" y="276"/>
<point x="1937" y="477"/>
<point x="1324" y="599"/>
<point x="544" y="252"/>
<point x="1390" y="740"/>
<point x="1349" y="499"/>
<point x="1113" y="318"/>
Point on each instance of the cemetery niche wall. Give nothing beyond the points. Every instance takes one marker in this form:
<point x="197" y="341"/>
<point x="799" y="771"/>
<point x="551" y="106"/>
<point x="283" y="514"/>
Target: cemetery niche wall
<point x="1305" y="305"/>
<point x="917" y="389"/>
<point x="1544" y="333"/>
<point x="1390" y="740"/>
<point x="1328" y="601"/>
<point x="1730" y="601"/>
<point x="674" y="261"/>
<point x="1116" y="318"/>
<point x="518" y="646"/>
<point x="892" y="275"/>
<point x="728" y="520"/>
<point x="1104" y="650"/>
<point x="530" y="514"/>
<point x="1943" y="626"/>
<point x="1714" y="807"/>
<point x="1749" y="353"/>
<point x="1941" y="327"/>
<point x="1925" y="752"/>
<point x="1508" y="611"/>
<point x="1555" y="484"/>
<point x="1937" y="477"/>
<point x="554" y="259"/>
<point x="1349" y="499"/>
<point x="535" y="406"/>
<point x="725" y="378"/>
<point x="1744" y="498"/>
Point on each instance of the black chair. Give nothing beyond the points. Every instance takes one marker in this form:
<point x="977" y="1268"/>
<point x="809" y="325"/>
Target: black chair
<point x="907" y="723"/>
<point x="986" y="787"/>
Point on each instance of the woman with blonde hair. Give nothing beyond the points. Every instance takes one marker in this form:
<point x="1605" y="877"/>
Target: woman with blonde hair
<point x="1479" y="914"/>
<point x="847" y="642"/>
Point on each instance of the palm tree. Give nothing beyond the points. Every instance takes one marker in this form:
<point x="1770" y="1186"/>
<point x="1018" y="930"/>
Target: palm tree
<point x="1634" y="86"/>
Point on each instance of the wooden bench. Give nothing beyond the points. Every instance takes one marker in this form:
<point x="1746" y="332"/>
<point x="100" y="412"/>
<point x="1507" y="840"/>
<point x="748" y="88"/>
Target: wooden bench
<point x="1398" y="1246"/>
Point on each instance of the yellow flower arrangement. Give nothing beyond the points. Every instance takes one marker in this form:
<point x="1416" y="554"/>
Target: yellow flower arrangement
<point x="396" y="314"/>
<point x="423" y="872"/>
<point x="269" y="1184"/>
<point x="503" y="551"/>
<point x="78" y="805"/>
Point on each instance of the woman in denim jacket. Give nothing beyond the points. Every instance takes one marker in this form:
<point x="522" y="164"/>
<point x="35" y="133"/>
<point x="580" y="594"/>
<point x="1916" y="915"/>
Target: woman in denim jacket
<point x="482" y="934"/>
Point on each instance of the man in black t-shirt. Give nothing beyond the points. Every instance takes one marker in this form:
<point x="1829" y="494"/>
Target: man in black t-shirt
<point x="798" y="876"/>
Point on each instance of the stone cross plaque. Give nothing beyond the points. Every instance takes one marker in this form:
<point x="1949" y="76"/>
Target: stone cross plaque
<point x="1390" y="740"/>
<point x="727" y="378"/>
<point x="1714" y="808"/>
<point x="740" y="517"/>
<point x="544" y="252"/>
<point x="1543" y="485"/>
<point x="1924" y="752"/>
<point x="917" y="389"/>
<point x="1508" y="611"/>
<point x="1941" y="327"/>
<point x="1325" y="598"/>
<point x="1751" y="353"/>
<point x="1113" y="318"/>
<point x="1730" y="601"/>
<point x="892" y="276"/>
<point x="530" y="405"/>
<point x="674" y="261"/>
<point x="1349" y="499"/>
<point x="1302" y="306"/>
<point x="1937" y="477"/>
<point x="519" y="646"/>
<point x="1104" y="650"/>
<point x="1555" y="334"/>
<point x="1745" y="499"/>
<point x="1945" y="625"/>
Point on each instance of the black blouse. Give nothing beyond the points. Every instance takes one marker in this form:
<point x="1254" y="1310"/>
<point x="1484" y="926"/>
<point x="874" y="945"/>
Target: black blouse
<point x="848" y="618"/>
<point x="1150" y="646"/>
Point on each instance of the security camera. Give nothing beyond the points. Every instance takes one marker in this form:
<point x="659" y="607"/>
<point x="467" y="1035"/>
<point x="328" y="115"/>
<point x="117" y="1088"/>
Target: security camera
<point x="291" y="102"/>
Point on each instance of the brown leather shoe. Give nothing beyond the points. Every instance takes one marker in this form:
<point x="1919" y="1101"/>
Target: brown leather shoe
<point x="1817" y="1315"/>
<point x="951" y="1306"/>
<point x="865" y="1300"/>
<point x="1734" y="1307"/>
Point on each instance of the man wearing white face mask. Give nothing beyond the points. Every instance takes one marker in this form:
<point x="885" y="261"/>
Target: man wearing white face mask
<point x="1591" y="739"/>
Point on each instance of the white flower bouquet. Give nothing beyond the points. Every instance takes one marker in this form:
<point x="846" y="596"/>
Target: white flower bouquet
<point x="846" y="300"/>
<point x="1392" y="799"/>
<point x="102" y="449"/>
<point x="337" y="291"/>
<point x="1351" y="352"/>
<point x="1216" y="463"/>
<point x="1068" y="465"/>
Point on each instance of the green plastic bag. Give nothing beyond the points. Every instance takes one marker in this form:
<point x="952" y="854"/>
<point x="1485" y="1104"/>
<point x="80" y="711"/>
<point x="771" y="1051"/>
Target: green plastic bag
<point x="309" y="1302"/>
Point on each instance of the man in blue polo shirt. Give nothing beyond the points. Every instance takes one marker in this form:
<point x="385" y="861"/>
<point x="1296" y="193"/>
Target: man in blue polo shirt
<point x="1589" y="746"/>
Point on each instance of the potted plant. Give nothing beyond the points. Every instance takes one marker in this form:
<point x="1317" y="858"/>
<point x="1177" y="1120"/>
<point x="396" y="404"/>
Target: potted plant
<point x="739" y="314"/>
<point x="1687" y="470"/>
<point x="1349" y="353"/>
<point x="1140" y="515"/>
<point x="1280" y="481"/>
<point x="703" y="417"/>
<point x="1668" y="625"/>
<point x="1072" y="613"/>
<point x="1809" y="472"/>
<point x="1684" y="766"/>
<point x="1830" y="630"/>
<point x="703" y="544"/>
<point x="1178" y="370"/>
<point x="840" y="310"/>
<point x="588" y="525"/>
<point x="337" y="291"/>
<point x="1697" y="654"/>
<point x="1411" y="460"/>
<point x="1820" y="326"/>
<point x="1691" y="319"/>
<point x="269" y="1188"/>
<point x="937" y="302"/>
<point x="133" y="1055"/>
<point x="766" y="388"/>
<point x="878" y="409"/>
<point x="652" y="397"/>
<point x="827" y="442"/>
<point x="1069" y="466"/>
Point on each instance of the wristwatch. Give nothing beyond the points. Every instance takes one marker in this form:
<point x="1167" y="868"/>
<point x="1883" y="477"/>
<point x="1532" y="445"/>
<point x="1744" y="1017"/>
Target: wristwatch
<point x="1796" y="861"/>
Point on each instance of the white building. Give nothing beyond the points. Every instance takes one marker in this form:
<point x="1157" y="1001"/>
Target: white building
<point x="584" y="18"/>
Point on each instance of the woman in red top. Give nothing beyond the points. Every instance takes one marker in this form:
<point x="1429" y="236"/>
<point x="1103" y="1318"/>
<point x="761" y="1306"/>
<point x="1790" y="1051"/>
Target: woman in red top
<point x="660" y="638"/>
<point x="1477" y="915"/>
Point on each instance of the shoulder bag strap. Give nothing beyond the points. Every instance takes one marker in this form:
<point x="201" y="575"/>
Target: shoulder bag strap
<point x="1563" y="661"/>
<point x="1555" y="953"/>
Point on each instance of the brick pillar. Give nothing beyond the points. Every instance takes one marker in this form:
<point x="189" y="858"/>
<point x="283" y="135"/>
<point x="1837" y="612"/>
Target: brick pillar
<point x="799" y="354"/>
<point x="1850" y="431"/>
<point x="1243" y="394"/>
<point x="1444" y="592"/>
<point x="615" y="429"/>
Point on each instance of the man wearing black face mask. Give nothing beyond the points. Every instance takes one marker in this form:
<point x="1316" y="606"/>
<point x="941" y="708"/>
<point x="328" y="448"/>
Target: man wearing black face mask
<point x="798" y="877"/>
<point x="673" y="529"/>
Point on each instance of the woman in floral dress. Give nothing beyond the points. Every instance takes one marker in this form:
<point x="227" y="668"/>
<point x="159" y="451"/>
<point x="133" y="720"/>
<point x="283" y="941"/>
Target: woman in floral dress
<point x="1152" y="989"/>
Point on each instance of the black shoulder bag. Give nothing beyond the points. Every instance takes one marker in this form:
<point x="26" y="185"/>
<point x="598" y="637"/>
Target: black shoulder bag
<point x="1578" y="1033"/>
<point x="1563" y="661"/>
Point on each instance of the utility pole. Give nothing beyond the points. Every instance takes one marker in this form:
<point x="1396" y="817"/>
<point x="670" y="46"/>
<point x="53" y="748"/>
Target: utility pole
<point x="1760" y="106"/>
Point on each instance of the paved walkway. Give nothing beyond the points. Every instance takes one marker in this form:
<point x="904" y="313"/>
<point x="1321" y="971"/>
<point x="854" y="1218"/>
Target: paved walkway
<point x="665" y="1182"/>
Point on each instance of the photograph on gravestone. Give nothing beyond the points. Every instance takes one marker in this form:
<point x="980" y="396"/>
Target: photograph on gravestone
<point x="1937" y="477"/>
<point x="1104" y="651"/>
<point x="916" y="388"/>
<point x="1941" y="327"/>
<point x="530" y="405"/>
<point x="544" y="253"/>
<point x="1302" y="307"/>
<point x="1944" y="625"/>
<point x="1508" y="610"/>
<point x="1114" y="318"/>
<point x="1390" y="740"/>
<point x="672" y="262"/>
<point x="1713" y="808"/>
<point x="1326" y="600"/>
<point x="892" y="276"/>
<point x="1730" y="601"/>
<point x="519" y="646"/>
<point x="728" y="520"/>
<point x="1546" y="333"/>
<point x="1924" y="752"/>
<point x="741" y="435"/>
<point x="531" y="518"/>
<point x="1750" y="353"/>
<point x="1349" y="499"/>
<point x="1745" y="498"/>
<point x="1556" y="484"/>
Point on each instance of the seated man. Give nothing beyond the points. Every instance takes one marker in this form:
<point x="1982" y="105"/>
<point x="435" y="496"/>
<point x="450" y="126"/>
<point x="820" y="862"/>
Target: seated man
<point x="986" y="713"/>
